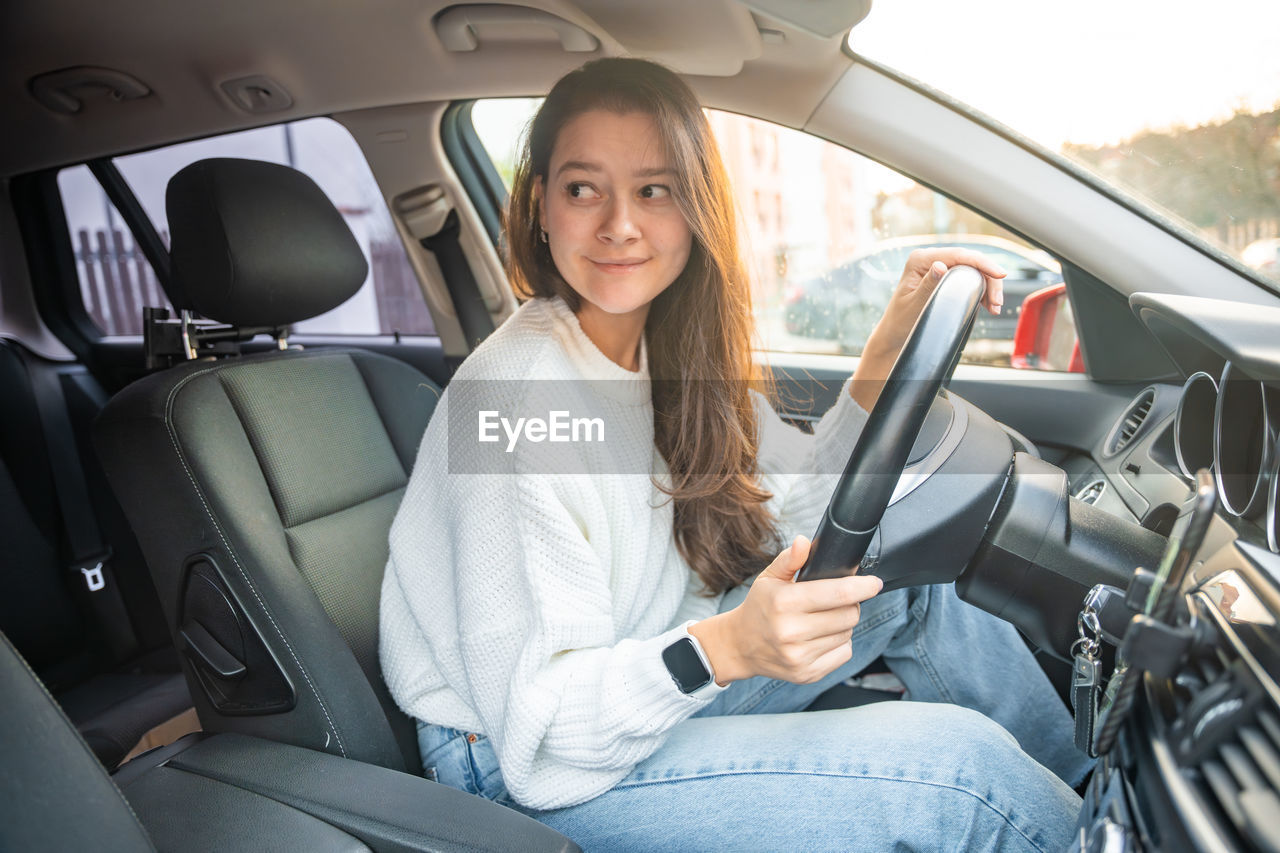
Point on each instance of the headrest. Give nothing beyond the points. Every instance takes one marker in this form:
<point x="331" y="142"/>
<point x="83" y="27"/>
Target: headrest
<point x="257" y="244"/>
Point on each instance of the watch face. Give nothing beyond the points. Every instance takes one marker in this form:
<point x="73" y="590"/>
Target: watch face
<point x="685" y="665"/>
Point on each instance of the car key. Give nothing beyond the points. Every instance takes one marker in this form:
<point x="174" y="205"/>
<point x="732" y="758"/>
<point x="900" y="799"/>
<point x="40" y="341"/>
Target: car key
<point x="1113" y="613"/>
<point x="1086" y="679"/>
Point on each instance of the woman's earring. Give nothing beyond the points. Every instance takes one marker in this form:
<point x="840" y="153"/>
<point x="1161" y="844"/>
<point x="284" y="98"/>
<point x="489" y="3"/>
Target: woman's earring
<point x="544" y="235"/>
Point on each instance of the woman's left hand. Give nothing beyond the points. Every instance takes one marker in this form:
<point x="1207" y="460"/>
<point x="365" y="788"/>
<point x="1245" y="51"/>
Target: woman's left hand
<point x="924" y="269"/>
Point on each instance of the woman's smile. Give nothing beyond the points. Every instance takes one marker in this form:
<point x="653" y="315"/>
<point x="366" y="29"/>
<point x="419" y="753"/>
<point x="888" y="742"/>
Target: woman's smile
<point x="619" y="267"/>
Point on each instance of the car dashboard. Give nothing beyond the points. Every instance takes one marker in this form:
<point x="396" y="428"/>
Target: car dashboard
<point x="1197" y="763"/>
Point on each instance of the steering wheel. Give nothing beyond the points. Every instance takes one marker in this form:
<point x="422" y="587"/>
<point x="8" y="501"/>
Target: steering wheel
<point x="866" y="487"/>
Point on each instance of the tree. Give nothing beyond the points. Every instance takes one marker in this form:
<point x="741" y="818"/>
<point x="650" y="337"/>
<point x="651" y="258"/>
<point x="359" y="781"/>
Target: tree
<point x="1215" y="175"/>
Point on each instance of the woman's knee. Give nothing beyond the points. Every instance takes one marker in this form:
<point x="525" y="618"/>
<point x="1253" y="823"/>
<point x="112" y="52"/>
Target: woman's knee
<point x="975" y="767"/>
<point x="949" y="724"/>
<point x="861" y="778"/>
<point x="949" y="742"/>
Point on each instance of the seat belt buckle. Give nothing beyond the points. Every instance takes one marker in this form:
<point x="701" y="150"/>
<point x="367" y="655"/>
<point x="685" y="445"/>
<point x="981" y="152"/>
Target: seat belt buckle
<point x="101" y="597"/>
<point x="93" y="571"/>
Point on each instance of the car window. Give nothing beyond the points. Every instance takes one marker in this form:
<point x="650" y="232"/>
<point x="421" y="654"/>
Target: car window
<point x="827" y="232"/>
<point x="116" y="281"/>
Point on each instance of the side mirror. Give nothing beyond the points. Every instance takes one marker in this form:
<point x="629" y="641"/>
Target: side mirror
<point x="1045" y="338"/>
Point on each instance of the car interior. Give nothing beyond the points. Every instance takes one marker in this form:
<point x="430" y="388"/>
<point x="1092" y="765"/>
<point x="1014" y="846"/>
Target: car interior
<point x="198" y="476"/>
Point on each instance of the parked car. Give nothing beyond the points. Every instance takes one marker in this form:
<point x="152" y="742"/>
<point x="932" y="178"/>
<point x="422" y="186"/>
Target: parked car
<point x="210" y="650"/>
<point x="844" y="303"/>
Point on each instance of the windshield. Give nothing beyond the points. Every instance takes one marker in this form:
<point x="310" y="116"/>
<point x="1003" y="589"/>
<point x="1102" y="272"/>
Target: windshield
<point x="1175" y="103"/>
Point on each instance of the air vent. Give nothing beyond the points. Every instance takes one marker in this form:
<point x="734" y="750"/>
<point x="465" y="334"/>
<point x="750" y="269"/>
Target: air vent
<point x="1241" y="774"/>
<point x="1226" y="736"/>
<point x="1130" y="423"/>
<point x="1090" y="492"/>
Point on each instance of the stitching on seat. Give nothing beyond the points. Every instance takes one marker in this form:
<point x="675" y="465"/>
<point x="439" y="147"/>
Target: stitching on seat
<point x="173" y="438"/>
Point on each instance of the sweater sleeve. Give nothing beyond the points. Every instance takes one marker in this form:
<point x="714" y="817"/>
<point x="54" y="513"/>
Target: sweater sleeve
<point x="492" y="577"/>
<point x="801" y="470"/>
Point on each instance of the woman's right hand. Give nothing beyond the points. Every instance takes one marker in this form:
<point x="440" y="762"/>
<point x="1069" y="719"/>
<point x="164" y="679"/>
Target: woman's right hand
<point x="797" y="632"/>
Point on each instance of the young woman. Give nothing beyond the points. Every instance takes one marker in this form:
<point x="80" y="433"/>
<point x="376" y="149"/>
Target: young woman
<point x="584" y="628"/>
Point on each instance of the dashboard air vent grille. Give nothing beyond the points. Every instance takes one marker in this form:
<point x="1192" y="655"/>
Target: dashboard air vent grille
<point x="1226" y="736"/>
<point x="1131" y="421"/>
<point x="1244" y="778"/>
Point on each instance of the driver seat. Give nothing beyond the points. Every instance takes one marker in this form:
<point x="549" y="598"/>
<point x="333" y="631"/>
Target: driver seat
<point x="262" y="487"/>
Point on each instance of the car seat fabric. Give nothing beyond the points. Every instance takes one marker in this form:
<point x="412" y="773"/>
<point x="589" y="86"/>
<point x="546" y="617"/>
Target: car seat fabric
<point x="114" y="701"/>
<point x="114" y="710"/>
<point x="36" y="609"/>
<point x="256" y="244"/>
<point x="276" y="476"/>
<point x="41" y="749"/>
<point x="285" y="470"/>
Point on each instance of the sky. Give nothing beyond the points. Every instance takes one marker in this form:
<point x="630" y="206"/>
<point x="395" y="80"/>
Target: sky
<point x="1089" y="71"/>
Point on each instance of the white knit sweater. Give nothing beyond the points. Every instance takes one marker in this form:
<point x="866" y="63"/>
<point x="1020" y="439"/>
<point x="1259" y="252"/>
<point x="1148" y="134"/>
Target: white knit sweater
<point x="527" y="602"/>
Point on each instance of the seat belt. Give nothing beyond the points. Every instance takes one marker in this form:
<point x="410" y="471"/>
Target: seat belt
<point x="421" y="211"/>
<point x="90" y="556"/>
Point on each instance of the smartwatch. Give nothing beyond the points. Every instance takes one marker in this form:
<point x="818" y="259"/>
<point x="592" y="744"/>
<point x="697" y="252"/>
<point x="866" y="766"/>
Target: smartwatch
<point x="687" y="663"/>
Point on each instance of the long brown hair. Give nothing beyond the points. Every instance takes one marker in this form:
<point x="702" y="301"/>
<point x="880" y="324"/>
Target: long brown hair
<point x="698" y="330"/>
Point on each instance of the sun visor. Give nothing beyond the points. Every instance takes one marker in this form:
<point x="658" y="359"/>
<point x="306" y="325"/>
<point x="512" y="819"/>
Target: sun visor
<point x="824" y="18"/>
<point x="713" y="38"/>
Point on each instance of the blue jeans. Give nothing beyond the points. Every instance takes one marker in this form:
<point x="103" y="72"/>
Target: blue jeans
<point x="976" y="762"/>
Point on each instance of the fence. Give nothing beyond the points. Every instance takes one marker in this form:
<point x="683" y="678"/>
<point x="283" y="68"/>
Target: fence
<point x="116" y="282"/>
<point x="1236" y="235"/>
<point x="395" y="286"/>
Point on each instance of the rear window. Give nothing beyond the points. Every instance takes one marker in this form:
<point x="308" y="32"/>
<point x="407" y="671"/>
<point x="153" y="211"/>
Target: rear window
<point x="116" y="281"/>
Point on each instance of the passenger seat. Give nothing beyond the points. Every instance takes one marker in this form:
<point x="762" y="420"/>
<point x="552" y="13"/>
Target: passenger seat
<point x="96" y="637"/>
<point x="262" y="487"/>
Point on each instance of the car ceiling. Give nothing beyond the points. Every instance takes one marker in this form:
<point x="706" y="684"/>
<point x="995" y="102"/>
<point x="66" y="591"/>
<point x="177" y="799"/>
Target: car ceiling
<point x="772" y="58"/>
